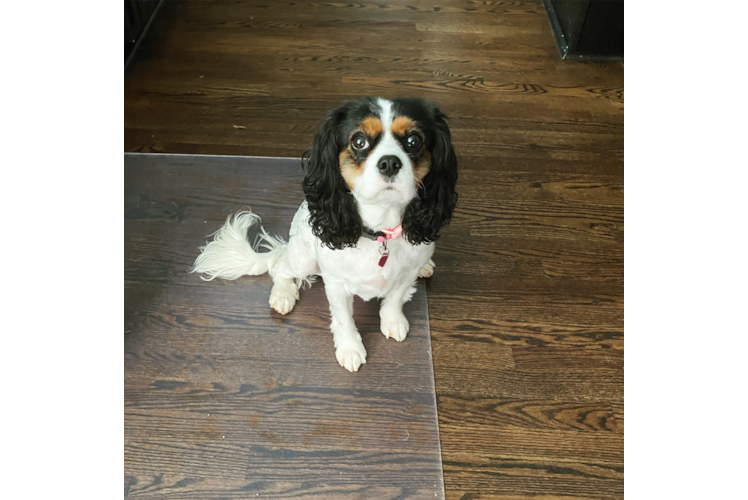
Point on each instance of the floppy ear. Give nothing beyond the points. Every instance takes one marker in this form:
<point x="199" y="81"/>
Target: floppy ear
<point x="436" y="198"/>
<point x="333" y="212"/>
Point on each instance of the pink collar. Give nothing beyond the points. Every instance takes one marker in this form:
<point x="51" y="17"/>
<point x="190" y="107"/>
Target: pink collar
<point x="382" y="235"/>
<point x="392" y="233"/>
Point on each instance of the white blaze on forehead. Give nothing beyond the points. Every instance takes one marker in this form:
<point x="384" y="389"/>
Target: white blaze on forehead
<point x="386" y="113"/>
<point x="388" y="145"/>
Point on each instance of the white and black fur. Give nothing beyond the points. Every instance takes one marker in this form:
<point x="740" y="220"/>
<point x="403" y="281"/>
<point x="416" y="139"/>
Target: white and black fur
<point x="405" y="174"/>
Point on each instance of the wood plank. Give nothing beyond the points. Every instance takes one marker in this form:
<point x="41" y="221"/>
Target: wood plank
<point x="606" y="385"/>
<point x="580" y="416"/>
<point x="618" y="414"/>
<point x="554" y="359"/>
<point x="511" y="478"/>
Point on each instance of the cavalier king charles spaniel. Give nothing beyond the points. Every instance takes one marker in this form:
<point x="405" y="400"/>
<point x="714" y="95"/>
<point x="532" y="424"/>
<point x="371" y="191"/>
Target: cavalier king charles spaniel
<point x="380" y="185"/>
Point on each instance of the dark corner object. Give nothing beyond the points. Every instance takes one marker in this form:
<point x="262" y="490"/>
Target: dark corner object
<point x="587" y="29"/>
<point x="138" y="17"/>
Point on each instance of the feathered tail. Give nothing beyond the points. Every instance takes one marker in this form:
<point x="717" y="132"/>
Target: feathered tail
<point x="230" y="255"/>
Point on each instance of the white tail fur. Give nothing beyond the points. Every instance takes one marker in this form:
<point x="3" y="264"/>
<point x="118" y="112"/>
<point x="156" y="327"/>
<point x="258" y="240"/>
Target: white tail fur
<point x="230" y="255"/>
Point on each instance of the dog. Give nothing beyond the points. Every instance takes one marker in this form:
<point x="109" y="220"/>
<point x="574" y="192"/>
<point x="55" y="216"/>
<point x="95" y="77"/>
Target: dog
<point x="380" y="185"/>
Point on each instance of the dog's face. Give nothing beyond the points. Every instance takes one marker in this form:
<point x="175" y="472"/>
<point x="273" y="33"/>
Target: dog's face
<point x="384" y="155"/>
<point x="378" y="151"/>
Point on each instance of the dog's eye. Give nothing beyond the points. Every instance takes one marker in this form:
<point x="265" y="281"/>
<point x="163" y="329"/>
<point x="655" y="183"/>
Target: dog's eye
<point x="359" y="142"/>
<point x="413" y="141"/>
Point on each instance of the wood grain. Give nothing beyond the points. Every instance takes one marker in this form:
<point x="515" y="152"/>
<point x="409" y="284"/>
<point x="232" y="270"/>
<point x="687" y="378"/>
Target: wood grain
<point x="526" y="305"/>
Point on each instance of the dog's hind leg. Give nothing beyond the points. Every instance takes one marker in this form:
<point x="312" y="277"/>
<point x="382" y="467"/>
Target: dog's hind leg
<point x="284" y="295"/>
<point x="292" y="269"/>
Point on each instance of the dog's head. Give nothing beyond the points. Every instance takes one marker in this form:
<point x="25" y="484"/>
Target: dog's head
<point x="373" y="151"/>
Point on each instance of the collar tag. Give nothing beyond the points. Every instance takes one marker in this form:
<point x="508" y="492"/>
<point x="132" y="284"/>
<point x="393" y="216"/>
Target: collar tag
<point x="382" y="237"/>
<point x="383" y="250"/>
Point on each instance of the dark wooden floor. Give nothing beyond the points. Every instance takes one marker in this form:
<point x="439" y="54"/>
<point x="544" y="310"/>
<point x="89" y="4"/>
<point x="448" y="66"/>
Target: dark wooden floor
<point x="526" y="306"/>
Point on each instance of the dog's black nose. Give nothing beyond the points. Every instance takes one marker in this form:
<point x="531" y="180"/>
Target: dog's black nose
<point x="389" y="165"/>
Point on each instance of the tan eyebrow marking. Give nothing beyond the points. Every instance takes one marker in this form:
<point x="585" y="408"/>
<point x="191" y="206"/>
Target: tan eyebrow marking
<point x="372" y="126"/>
<point x="402" y="124"/>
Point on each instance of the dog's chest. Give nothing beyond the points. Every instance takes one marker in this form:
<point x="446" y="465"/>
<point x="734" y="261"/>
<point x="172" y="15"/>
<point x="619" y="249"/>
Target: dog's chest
<point x="360" y="270"/>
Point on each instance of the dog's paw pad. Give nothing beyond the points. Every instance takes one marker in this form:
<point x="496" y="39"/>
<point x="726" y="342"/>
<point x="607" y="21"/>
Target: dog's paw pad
<point x="427" y="270"/>
<point x="395" y="328"/>
<point x="351" y="358"/>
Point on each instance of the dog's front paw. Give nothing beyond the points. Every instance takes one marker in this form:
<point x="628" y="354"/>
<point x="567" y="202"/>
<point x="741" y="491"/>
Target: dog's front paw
<point x="427" y="270"/>
<point x="351" y="356"/>
<point x="395" y="326"/>
<point x="283" y="297"/>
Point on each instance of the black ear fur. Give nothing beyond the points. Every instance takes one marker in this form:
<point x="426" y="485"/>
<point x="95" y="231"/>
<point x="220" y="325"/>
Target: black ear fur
<point x="333" y="212"/>
<point x="435" y="201"/>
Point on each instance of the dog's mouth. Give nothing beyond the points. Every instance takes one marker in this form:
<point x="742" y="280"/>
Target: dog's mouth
<point x="385" y="193"/>
<point x="393" y="193"/>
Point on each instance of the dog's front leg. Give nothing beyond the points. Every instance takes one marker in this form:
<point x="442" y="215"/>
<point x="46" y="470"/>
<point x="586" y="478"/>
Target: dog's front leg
<point x="393" y="322"/>
<point x="349" y="350"/>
